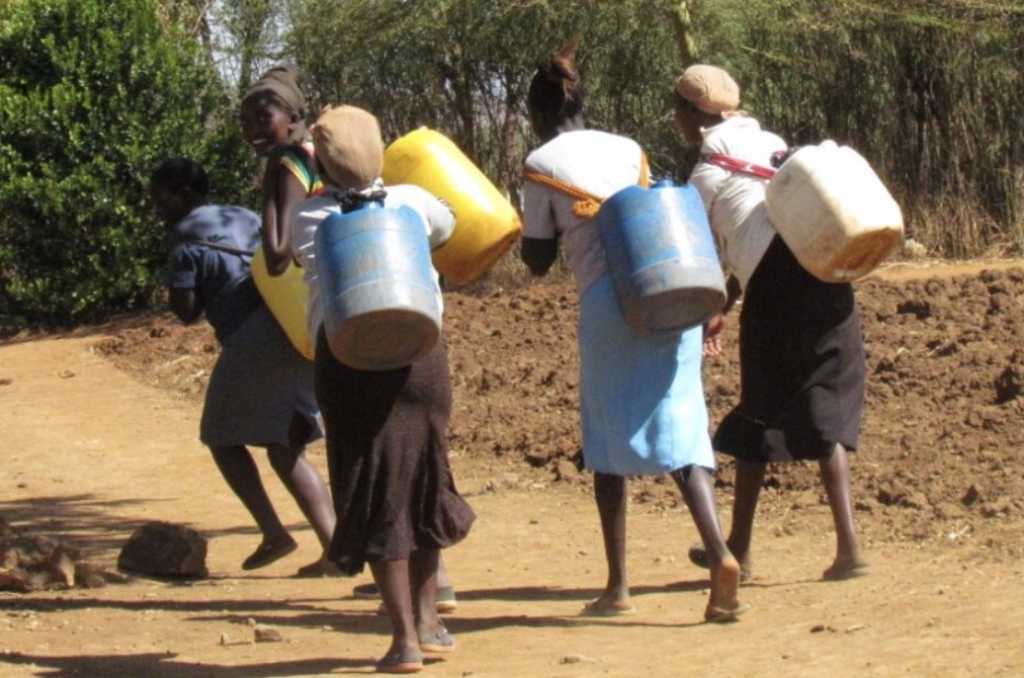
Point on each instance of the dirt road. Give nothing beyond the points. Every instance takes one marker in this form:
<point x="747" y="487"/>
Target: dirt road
<point x="92" y="452"/>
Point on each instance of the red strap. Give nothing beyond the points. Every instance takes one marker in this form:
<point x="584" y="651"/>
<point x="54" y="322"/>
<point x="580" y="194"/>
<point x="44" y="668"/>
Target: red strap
<point x="727" y="162"/>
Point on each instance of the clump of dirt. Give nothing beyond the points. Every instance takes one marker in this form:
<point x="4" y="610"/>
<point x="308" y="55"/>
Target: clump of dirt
<point x="941" y="434"/>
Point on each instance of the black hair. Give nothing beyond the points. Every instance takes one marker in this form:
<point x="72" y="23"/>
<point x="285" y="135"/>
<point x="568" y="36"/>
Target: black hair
<point x="180" y="173"/>
<point x="556" y="91"/>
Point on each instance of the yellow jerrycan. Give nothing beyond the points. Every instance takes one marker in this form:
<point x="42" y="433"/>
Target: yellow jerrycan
<point x="486" y="224"/>
<point x="287" y="297"/>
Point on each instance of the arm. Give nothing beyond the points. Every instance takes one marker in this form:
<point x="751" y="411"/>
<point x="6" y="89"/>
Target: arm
<point x="540" y="233"/>
<point x="282" y="190"/>
<point x="539" y="254"/>
<point x="186" y="305"/>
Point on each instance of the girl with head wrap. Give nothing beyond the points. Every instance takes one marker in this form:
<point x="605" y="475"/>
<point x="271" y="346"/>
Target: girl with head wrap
<point x="801" y="350"/>
<point x="273" y="115"/>
<point x="386" y="430"/>
<point x="642" y="403"/>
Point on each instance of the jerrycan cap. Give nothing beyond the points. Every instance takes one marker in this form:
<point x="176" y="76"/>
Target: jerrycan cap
<point x="663" y="183"/>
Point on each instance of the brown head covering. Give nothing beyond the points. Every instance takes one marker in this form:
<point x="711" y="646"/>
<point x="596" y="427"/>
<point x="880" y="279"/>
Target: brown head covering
<point x="349" y="146"/>
<point x="281" y="85"/>
<point x="709" y="88"/>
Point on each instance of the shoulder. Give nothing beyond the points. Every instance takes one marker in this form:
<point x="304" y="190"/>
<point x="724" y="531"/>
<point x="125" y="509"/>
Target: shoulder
<point x="583" y="146"/>
<point x="316" y="207"/>
<point x="739" y="134"/>
<point x="413" y="196"/>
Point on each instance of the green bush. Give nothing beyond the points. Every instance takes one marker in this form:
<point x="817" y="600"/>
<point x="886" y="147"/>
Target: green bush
<point x="93" y="95"/>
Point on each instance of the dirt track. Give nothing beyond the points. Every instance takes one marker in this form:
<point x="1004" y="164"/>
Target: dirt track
<point x="92" y="452"/>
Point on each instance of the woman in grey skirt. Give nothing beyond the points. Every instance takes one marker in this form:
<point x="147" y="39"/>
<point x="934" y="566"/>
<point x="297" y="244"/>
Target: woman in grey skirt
<point x="261" y="390"/>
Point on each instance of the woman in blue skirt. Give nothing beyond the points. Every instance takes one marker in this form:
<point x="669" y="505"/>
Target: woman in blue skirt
<point x="643" y="409"/>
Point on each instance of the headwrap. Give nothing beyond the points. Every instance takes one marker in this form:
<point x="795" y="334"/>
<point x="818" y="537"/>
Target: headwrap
<point x="709" y="88"/>
<point x="281" y="84"/>
<point x="349" y="146"/>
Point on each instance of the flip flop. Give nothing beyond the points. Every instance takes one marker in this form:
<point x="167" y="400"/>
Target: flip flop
<point x="721" y="615"/>
<point x="437" y="642"/>
<point x="366" y="591"/>
<point x="838" y="572"/>
<point x="409" y="660"/>
<point x="318" y="568"/>
<point x="268" y="552"/>
<point x="599" y="608"/>
<point x="446" y="602"/>
<point x="698" y="555"/>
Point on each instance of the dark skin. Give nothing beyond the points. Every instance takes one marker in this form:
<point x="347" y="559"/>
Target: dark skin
<point x="235" y="462"/>
<point x="268" y="127"/>
<point x="610" y="491"/>
<point x="834" y="467"/>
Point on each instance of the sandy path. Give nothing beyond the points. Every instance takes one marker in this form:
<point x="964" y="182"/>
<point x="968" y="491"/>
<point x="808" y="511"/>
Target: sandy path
<point x="91" y="453"/>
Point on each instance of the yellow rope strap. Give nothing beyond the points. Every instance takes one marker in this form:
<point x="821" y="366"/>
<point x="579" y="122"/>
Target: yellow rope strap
<point x="587" y="204"/>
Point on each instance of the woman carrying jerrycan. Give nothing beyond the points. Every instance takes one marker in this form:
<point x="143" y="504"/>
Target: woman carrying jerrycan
<point x="801" y="350"/>
<point x="643" y="409"/>
<point x="386" y="424"/>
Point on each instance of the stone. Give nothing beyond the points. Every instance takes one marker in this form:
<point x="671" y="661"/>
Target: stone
<point x="566" y="471"/>
<point x="265" y="634"/>
<point x="165" y="550"/>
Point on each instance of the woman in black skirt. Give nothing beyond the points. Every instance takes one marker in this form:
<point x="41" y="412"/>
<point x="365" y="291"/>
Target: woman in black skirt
<point x="386" y="430"/>
<point x="801" y="349"/>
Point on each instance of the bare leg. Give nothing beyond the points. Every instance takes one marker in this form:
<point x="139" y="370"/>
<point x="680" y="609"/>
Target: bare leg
<point x="610" y="495"/>
<point x="835" y="474"/>
<point x="749" y="477"/>
<point x="695" y="484"/>
<point x="308" y="489"/>
<point x="243" y="477"/>
<point x="392" y="577"/>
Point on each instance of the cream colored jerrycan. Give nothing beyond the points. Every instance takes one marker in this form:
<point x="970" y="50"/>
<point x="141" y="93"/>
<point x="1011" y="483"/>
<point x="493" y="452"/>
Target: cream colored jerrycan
<point x="287" y="298"/>
<point x="833" y="212"/>
<point x="486" y="224"/>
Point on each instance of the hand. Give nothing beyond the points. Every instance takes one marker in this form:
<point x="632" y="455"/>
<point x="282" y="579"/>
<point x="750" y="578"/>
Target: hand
<point x="713" y="336"/>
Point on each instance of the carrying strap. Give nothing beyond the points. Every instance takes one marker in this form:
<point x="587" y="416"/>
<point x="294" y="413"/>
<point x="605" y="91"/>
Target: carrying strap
<point x="223" y="248"/>
<point x="727" y="162"/>
<point x="587" y="204"/>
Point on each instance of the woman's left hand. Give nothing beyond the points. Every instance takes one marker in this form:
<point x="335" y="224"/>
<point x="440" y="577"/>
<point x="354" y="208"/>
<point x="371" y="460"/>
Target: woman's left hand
<point x="713" y="336"/>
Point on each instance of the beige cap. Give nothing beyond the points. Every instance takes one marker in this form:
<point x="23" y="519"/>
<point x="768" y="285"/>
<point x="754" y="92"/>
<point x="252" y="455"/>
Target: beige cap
<point x="709" y="88"/>
<point x="349" y="146"/>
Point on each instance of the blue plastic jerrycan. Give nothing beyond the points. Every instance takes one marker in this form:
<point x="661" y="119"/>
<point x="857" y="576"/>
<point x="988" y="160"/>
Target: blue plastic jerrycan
<point x="382" y="304"/>
<point x="662" y="257"/>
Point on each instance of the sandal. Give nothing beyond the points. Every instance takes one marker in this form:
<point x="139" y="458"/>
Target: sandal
<point x="446" y="602"/>
<point x="437" y="642"/>
<point x="721" y="615"/>
<point x="409" y="660"/>
<point x="269" y="551"/>
<point x="318" y="568"/>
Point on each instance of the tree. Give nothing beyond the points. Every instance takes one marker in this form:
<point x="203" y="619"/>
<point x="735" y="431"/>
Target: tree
<point x="93" y="95"/>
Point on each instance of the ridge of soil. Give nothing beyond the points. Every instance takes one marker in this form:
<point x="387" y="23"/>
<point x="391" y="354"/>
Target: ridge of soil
<point x="941" y="439"/>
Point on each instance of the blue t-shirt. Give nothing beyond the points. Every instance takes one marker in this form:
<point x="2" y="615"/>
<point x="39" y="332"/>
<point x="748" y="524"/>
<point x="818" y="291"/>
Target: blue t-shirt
<point x="221" y="278"/>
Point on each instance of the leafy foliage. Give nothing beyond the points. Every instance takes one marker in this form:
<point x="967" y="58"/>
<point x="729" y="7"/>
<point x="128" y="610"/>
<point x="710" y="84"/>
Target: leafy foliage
<point x="93" y="95"/>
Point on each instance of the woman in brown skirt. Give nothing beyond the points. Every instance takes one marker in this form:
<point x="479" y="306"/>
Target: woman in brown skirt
<point x="386" y="430"/>
<point x="801" y="349"/>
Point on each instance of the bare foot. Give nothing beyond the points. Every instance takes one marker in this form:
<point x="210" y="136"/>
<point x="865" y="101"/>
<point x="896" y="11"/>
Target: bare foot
<point x="699" y="557"/>
<point x="723" y="603"/>
<point x="846" y="568"/>
<point x="609" y="604"/>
